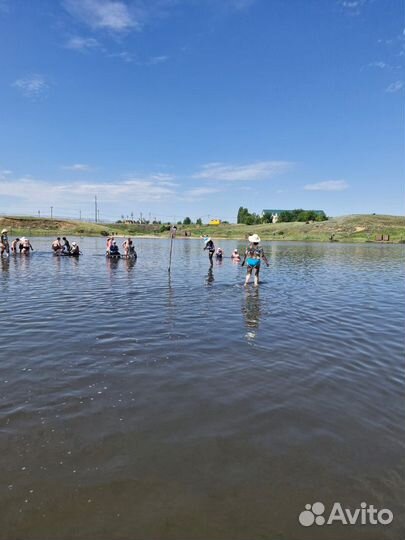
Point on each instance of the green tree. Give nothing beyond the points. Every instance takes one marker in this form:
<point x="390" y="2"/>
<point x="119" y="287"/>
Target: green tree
<point x="266" y="218"/>
<point x="187" y="221"/>
<point x="243" y="215"/>
<point x="321" y="216"/>
<point x="285" y="217"/>
<point x="199" y="221"/>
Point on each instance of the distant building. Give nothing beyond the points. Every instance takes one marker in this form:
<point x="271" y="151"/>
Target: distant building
<point x="318" y="212"/>
<point x="215" y="222"/>
<point x="273" y="211"/>
<point x="276" y="213"/>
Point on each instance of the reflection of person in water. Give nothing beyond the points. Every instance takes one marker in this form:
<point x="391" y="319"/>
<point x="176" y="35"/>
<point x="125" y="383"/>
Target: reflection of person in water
<point x="251" y="312"/>
<point x="210" y="276"/>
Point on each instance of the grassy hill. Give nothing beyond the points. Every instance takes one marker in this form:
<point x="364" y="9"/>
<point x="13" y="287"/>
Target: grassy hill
<point x="354" y="228"/>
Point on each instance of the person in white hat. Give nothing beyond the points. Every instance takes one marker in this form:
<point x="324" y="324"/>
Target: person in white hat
<point x="235" y="255"/>
<point x="74" y="250"/>
<point x="209" y="245"/>
<point x="4" y="245"/>
<point x="25" y="246"/>
<point x="253" y="255"/>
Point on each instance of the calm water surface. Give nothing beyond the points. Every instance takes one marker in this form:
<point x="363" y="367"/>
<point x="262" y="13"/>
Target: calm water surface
<point x="138" y="406"/>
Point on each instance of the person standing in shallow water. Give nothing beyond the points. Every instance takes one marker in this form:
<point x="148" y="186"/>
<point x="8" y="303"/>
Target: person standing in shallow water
<point x="209" y="245"/>
<point x="4" y="245"/>
<point x="253" y="255"/>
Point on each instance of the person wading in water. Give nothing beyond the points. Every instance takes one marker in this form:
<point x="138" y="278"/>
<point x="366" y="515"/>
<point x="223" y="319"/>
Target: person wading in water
<point x="4" y="245"/>
<point x="253" y="255"/>
<point x="209" y="245"/>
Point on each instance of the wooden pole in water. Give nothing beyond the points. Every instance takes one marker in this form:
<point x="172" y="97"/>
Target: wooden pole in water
<point x="173" y="231"/>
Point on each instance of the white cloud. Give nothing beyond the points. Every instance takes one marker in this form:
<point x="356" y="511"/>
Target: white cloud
<point x="113" y="15"/>
<point x="380" y="65"/>
<point x="163" y="179"/>
<point x="395" y="87"/>
<point x="125" y="56"/>
<point x="78" y="167"/>
<point x="200" y="193"/>
<point x="258" y="170"/>
<point x="33" y="192"/>
<point x="157" y="60"/>
<point x="352" y="6"/>
<point x="79" y="43"/>
<point x="328" y="185"/>
<point x="33" y="86"/>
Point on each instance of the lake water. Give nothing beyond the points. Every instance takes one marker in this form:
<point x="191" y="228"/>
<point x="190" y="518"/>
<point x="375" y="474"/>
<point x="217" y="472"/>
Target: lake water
<point x="138" y="405"/>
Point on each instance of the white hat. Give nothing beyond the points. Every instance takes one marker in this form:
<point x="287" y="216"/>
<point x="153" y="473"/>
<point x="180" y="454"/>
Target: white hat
<point x="74" y="244"/>
<point x="254" y="239"/>
<point x="4" y="231"/>
<point x="207" y="239"/>
<point x="22" y="239"/>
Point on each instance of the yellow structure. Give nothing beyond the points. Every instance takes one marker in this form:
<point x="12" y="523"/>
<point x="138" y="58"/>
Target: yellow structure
<point x="215" y="222"/>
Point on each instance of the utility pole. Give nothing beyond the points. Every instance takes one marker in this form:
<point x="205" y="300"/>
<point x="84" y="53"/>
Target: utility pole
<point x="141" y="217"/>
<point x="51" y="212"/>
<point x="98" y="214"/>
<point x="39" y="213"/>
<point x="80" y="215"/>
<point x="95" y="209"/>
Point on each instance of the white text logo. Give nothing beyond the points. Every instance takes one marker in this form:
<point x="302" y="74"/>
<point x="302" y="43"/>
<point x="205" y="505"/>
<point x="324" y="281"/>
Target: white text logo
<point x="367" y="514"/>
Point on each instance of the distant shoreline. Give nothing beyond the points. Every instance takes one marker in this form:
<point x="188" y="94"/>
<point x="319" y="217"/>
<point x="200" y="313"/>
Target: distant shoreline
<point x="363" y="228"/>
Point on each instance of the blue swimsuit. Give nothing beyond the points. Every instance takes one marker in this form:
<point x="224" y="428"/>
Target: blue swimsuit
<point x="255" y="255"/>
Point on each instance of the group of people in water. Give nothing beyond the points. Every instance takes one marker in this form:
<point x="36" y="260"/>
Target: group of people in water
<point x="64" y="247"/>
<point x="113" y="252"/>
<point x="18" y="245"/>
<point x="252" y="257"/>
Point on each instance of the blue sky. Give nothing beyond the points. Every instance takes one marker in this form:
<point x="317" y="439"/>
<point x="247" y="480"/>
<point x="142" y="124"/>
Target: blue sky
<point x="196" y="107"/>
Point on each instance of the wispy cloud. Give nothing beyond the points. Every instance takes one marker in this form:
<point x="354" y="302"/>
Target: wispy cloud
<point x="397" y="42"/>
<point x="78" y="43"/>
<point x="200" y="193"/>
<point x="78" y="167"/>
<point x="259" y="170"/>
<point x="328" y="185"/>
<point x="163" y="179"/>
<point x="380" y="65"/>
<point x="125" y="56"/>
<point x="33" y="86"/>
<point x="395" y="87"/>
<point x="112" y="15"/>
<point x="353" y="7"/>
<point x="35" y="192"/>
<point x="157" y="60"/>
